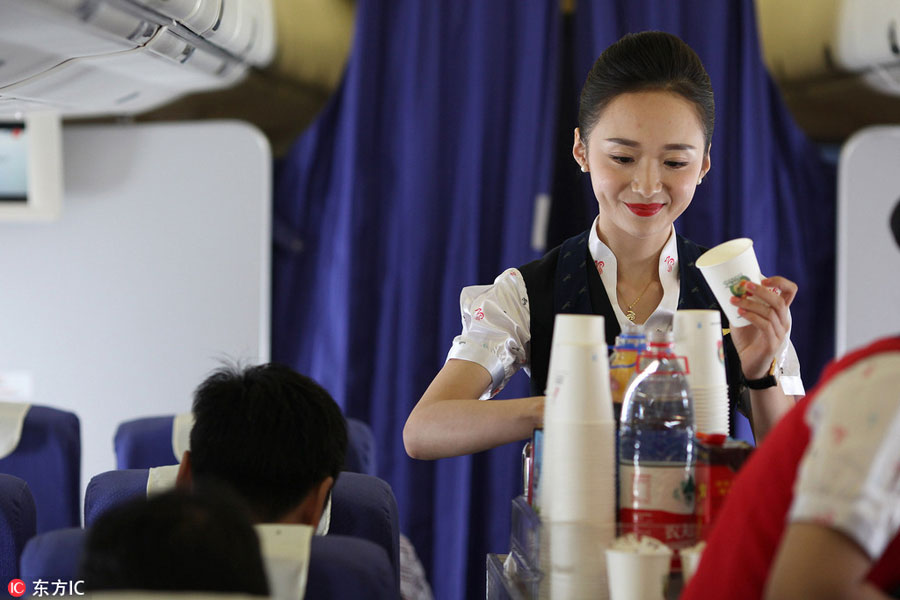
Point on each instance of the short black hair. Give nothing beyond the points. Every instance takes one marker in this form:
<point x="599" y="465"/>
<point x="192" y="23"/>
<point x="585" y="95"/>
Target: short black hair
<point x="176" y="541"/>
<point x="647" y="61"/>
<point x="269" y="432"/>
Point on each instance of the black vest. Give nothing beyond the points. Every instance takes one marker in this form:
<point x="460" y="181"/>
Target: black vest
<point x="565" y="280"/>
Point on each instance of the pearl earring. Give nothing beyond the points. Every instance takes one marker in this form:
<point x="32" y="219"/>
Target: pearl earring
<point x="699" y="181"/>
<point x="583" y="169"/>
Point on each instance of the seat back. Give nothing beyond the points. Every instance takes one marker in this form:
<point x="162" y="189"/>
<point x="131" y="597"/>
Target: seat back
<point x="362" y="506"/>
<point x="113" y="488"/>
<point x="147" y="442"/>
<point x="17" y="523"/>
<point x="349" y="567"/>
<point x="48" y="457"/>
<point x="339" y="566"/>
<point x="362" y="456"/>
<point x="52" y="556"/>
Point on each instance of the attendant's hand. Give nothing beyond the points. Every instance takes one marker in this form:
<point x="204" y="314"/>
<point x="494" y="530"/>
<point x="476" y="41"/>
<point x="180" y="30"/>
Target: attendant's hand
<point x="767" y="312"/>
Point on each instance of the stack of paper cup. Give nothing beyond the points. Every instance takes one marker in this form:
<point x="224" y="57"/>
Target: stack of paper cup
<point x="577" y="492"/>
<point x="726" y="268"/>
<point x="573" y="559"/>
<point x="698" y="341"/>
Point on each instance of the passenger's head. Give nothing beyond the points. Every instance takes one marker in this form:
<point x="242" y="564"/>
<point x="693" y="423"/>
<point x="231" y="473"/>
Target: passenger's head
<point x="175" y="542"/>
<point x="273" y="435"/>
<point x="647" y="61"/>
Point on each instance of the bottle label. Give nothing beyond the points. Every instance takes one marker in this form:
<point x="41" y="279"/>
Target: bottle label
<point x="658" y="501"/>
<point x="662" y="487"/>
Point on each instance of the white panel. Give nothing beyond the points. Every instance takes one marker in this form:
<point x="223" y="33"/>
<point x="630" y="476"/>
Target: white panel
<point x="158" y="268"/>
<point x="812" y="39"/>
<point x="862" y="39"/>
<point x="868" y="259"/>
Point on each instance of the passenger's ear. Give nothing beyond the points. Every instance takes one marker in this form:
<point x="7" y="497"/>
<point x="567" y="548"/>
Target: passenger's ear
<point x="184" y="479"/>
<point x="310" y="510"/>
<point x="321" y="498"/>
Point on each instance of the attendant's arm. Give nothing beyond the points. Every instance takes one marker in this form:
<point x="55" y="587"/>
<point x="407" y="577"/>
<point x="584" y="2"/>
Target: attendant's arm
<point x="767" y="407"/>
<point x="815" y="561"/>
<point x="450" y="420"/>
<point x="759" y="342"/>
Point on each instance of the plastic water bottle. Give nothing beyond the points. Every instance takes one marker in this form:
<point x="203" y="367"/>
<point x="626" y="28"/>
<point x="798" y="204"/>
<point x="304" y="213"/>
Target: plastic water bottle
<point x="656" y="448"/>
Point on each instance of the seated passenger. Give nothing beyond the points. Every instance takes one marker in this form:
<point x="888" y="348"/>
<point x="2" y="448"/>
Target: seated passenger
<point x="273" y="435"/>
<point x="175" y="542"/>
<point x="279" y="440"/>
<point x="815" y="512"/>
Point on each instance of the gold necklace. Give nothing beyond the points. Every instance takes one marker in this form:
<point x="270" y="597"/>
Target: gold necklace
<point x="629" y="314"/>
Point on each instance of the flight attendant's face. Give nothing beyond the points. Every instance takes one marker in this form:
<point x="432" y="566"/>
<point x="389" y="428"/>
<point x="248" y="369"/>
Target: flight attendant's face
<point x="645" y="156"/>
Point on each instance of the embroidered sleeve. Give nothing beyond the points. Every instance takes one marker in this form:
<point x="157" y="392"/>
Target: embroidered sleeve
<point x="496" y="328"/>
<point x="849" y="478"/>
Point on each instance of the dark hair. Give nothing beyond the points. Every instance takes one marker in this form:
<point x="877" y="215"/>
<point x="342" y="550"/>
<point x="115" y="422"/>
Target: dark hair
<point x="269" y="432"/>
<point x="650" y="60"/>
<point x="175" y="542"/>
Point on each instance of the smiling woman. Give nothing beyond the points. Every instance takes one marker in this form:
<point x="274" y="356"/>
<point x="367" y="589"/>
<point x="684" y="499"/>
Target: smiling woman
<point x="646" y="120"/>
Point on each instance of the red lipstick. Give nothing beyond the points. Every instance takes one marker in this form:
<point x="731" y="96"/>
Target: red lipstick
<point x="645" y="210"/>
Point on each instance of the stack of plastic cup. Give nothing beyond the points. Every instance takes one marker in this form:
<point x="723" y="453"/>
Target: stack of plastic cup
<point x="698" y="342"/>
<point x="578" y="474"/>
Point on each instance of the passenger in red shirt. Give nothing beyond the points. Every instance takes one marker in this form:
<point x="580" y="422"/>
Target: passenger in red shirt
<point x="815" y="512"/>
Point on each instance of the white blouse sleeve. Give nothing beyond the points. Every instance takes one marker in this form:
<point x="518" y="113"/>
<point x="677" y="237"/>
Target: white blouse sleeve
<point x="789" y="370"/>
<point x="849" y="478"/>
<point x="496" y="328"/>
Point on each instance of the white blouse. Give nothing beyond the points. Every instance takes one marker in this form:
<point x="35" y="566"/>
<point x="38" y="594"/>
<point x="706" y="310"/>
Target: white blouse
<point x="496" y="319"/>
<point x="849" y="477"/>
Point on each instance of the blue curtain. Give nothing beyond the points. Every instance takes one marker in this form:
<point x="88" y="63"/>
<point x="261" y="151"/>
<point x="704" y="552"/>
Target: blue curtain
<point x="420" y="177"/>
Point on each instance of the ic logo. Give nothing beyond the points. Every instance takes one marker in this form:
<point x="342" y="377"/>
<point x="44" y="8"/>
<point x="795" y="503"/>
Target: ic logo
<point x="16" y="588"/>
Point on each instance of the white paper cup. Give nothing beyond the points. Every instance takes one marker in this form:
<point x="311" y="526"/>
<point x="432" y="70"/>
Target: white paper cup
<point x="725" y="268"/>
<point x="578" y="329"/>
<point x="578" y="373"/>
<point x="690" y="558"/>
<point x="578" y="385"/>
<point x="698" y="338"/>
<point x="636" y="576"/>
<point x="573" y="559"/>
<point x="711" y="410"/>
